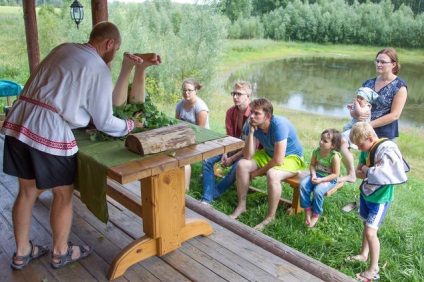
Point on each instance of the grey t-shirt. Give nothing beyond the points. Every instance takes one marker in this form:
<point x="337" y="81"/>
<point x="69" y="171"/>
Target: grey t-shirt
<point x="190" y="115"/>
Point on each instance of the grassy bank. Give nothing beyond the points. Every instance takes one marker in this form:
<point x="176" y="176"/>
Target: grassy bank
<point x="336" y="235"/>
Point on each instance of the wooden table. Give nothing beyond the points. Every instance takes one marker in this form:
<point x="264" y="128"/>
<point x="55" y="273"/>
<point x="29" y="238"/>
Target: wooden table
<point x="163" y="200"/>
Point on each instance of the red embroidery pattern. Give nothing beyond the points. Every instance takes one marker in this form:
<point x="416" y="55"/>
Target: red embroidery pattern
<point x="38" y="103"/>
<point x="130" y="125"/>
<point x="41" y="140"/>
<point x="90" y="46"/>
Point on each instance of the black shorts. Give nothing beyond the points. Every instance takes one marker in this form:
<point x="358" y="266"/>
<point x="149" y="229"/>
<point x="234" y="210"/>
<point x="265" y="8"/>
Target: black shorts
<point x="48" y="170"/>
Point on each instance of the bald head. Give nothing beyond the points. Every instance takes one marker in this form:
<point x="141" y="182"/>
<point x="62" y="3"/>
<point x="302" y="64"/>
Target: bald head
<point x="104" y="31"/>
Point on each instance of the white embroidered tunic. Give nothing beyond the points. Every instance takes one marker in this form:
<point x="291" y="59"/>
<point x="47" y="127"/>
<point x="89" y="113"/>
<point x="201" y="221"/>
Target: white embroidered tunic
<point x="68" y="88"/>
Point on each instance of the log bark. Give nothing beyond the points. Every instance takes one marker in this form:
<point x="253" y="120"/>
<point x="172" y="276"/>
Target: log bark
<point x="299" y="259"/>
<point x="161" y="139"/>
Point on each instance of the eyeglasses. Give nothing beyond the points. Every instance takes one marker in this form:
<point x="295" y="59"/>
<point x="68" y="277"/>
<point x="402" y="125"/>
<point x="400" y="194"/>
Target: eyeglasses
<point x="382" y="62"/>
<point x="188" y="90"/>
<point x="237" y="94"/>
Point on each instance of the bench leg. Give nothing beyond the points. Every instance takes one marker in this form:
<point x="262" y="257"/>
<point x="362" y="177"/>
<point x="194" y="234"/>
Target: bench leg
<point x="295" y="208"/>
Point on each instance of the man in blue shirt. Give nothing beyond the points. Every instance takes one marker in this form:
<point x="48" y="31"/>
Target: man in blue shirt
<point x="281" y="158"/>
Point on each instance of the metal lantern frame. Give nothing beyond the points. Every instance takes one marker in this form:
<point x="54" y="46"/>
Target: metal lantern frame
<point x="77" y="12"/>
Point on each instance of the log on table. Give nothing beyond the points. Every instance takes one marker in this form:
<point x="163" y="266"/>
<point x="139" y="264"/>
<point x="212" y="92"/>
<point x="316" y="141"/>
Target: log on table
<point x="161" y="139"/>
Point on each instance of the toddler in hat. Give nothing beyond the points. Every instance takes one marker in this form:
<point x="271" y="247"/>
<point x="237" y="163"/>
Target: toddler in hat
<point x="361" y="106"/>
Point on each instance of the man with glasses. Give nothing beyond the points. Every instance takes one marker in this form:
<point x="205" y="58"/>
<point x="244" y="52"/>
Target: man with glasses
<point x="281" y="158"/>
<point x="235" y="122"/>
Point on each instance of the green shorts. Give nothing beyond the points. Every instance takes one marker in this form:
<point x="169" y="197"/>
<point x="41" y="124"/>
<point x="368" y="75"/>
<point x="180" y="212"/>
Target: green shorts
<point x="292" y="163"/>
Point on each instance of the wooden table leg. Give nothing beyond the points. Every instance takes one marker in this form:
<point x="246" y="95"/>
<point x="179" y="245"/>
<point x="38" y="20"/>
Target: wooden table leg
<point x="138" y="250"/>
<point x="164" y="222"/>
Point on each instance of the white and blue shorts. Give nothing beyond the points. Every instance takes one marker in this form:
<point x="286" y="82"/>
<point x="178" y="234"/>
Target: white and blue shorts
<point x="372" y="213"/>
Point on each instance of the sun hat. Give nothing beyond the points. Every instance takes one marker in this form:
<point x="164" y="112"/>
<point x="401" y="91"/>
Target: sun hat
<point x="367" y="93"/>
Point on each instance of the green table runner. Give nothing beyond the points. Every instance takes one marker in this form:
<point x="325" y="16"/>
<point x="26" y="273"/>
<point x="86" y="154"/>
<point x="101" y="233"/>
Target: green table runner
<point x="95" y="157"/>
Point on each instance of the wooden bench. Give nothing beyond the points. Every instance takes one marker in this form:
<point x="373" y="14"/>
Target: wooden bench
<point x="295" y="207"/>
<point x="294" y="204"/>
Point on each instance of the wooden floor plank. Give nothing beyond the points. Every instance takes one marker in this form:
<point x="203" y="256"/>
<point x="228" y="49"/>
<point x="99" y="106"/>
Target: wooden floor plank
<point x="222" y="256"/>
<point x="215" y="264"/>
<point x="148" y="269"/>
<point x="192" y="269"/>
<point x="246" y="269"/>
<point x="248" y="251"/>
<point x="36" y="270"/>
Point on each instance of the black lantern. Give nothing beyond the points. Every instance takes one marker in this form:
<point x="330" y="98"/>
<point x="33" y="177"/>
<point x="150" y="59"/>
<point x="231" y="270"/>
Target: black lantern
<point x="77" y="12"/>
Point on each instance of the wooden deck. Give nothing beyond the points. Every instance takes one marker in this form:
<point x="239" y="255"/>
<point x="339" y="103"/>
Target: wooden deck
<point x="222" y="256"/>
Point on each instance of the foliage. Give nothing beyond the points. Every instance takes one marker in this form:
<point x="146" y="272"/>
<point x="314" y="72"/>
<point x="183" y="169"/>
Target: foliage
<point x="338" y="22"/>
<point x="189" y="39"/>
<point x="149" y="114"/>
<point x="51" y="36"/>
<point x="336" y="235"/>
<point x="246" y="28"/>
<point x="236" y="9"/>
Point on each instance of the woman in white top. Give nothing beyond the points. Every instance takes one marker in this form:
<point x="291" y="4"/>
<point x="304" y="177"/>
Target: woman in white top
<point x="192" y="109"/>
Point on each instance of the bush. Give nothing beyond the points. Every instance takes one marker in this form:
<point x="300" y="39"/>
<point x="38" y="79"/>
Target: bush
<point x="246" y="28"/>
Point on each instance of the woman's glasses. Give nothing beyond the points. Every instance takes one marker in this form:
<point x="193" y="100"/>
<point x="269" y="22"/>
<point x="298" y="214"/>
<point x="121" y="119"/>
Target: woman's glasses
<point x="382" y="62"/>
<point x="188" y="90"/>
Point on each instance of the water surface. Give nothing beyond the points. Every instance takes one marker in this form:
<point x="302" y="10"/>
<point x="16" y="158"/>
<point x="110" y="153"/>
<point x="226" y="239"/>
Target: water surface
<point x="325" y="85"/>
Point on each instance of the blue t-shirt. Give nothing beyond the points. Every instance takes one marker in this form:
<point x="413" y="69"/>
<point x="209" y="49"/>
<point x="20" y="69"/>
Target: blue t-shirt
<point x="280" y="128"/>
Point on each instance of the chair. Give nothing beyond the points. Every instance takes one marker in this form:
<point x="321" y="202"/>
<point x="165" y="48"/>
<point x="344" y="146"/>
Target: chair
<point x="8" y="89"/>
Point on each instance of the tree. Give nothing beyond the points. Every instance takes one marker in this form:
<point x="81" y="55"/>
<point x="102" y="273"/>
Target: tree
<point x="235" y="9"/>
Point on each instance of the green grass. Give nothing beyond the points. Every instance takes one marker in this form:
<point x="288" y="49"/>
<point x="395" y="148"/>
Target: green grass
<point x="336" y="235"/>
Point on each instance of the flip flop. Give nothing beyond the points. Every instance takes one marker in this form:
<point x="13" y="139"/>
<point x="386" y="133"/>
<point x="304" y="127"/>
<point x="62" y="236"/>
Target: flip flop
<point x="349" y="207"/>
<point x="67" y="258"/>
<point x="29" y="257"/>
<point x="362" y="277"/>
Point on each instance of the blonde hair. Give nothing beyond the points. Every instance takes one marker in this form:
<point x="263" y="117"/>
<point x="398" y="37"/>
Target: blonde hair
<point x="360" y="132"/>
<point x="245" y="85"/>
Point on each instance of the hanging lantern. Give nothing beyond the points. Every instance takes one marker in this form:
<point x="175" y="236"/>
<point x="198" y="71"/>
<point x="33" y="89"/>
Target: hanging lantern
<point x="77" y="12"/>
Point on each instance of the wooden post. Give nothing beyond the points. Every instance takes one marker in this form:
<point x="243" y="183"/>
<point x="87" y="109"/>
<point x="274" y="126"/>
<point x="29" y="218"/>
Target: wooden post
<point x="31" y="33"/>
<point x="99" y="11"/>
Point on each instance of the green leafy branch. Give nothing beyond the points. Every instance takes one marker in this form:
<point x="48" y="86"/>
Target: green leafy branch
<point x="150" y="116"/>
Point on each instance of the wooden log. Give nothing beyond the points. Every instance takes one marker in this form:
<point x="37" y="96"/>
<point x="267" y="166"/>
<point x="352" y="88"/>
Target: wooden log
<point x="161" y="139"/>
<point x="297" y="258"/>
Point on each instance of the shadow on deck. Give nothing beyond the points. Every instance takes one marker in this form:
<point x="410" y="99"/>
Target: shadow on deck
<point x="222" y="256"/>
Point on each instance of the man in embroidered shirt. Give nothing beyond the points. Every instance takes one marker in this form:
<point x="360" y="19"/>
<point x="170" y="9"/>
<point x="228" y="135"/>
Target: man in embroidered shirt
<point x="69" y="87"/>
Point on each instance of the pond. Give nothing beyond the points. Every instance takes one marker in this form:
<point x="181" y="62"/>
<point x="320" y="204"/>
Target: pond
<point x="325" y="85"/>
